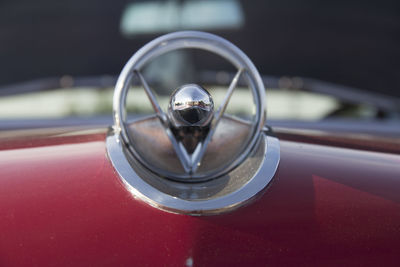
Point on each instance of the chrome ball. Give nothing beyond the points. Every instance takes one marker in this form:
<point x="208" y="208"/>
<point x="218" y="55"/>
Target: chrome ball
<point x="190" y="105"/>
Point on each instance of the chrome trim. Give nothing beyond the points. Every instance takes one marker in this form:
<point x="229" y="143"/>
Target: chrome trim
<point x="218" y="115"/>
<point x="143" y="191"/>
<point x="225" y="186"/>
<point x="153" y="100"/>
<point x="198" y="40"/>
<point x="190" y="99"/>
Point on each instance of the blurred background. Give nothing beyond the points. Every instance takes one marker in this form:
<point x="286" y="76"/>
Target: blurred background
<point x="325" y="63"/>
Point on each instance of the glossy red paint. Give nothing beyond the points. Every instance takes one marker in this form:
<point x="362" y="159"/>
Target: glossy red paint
<point x="62" y="204"/>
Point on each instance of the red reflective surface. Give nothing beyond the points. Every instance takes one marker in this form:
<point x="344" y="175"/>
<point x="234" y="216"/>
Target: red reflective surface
<point x="62" y="204"/>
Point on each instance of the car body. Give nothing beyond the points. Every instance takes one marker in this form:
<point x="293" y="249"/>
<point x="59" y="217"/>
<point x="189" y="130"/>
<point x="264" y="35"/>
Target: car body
<point x="329" y="196"/>
<point x="63" y="204"/>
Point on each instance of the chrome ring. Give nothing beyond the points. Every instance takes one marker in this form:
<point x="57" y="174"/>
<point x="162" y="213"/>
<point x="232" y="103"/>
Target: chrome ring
<point x="197" y="40"/>
<point x="241" y="180"/>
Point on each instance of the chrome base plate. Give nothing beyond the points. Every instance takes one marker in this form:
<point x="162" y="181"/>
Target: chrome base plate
<point x="216" y="196"/>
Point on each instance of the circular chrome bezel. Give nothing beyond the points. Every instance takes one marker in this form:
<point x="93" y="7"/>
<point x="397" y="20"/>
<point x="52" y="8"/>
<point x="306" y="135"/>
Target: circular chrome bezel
<point x="197" y="40"/>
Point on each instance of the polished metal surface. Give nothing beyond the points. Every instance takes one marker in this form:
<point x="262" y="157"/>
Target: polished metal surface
<point x="156" y="150"/>
<point x="190" y="112"/>
<point x="206" y="198"/>
<point x="191" y="157"/>
<point x="190" y="105"/>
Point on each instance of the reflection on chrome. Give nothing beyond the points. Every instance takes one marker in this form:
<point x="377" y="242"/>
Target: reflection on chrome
<point x="191" y="125"/>
<point x="190" y="111"/>
<point x="191" y="159"/>
<point x="190" y="105"/>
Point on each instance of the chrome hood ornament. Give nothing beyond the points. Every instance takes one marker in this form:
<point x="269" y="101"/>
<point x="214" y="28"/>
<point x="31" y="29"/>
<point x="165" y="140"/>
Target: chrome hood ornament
<point x="194" y="158"/>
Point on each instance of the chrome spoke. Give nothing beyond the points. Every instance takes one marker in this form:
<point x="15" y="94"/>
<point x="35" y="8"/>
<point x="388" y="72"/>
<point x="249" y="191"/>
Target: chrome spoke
<point x="224" y="104"/>
<point x="153" y="100"/>
<point x="180" y="150"/>
<point x="197" y="157"/>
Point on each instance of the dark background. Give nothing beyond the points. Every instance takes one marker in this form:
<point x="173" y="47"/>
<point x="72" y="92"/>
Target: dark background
<point x="354" y="43"/>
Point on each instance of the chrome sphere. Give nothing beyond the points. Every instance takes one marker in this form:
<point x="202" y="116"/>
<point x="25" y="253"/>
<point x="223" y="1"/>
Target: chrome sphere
<point x="190" y="105"/>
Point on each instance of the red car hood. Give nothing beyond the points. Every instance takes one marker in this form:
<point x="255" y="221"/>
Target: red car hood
<point x="62" y="204"/>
